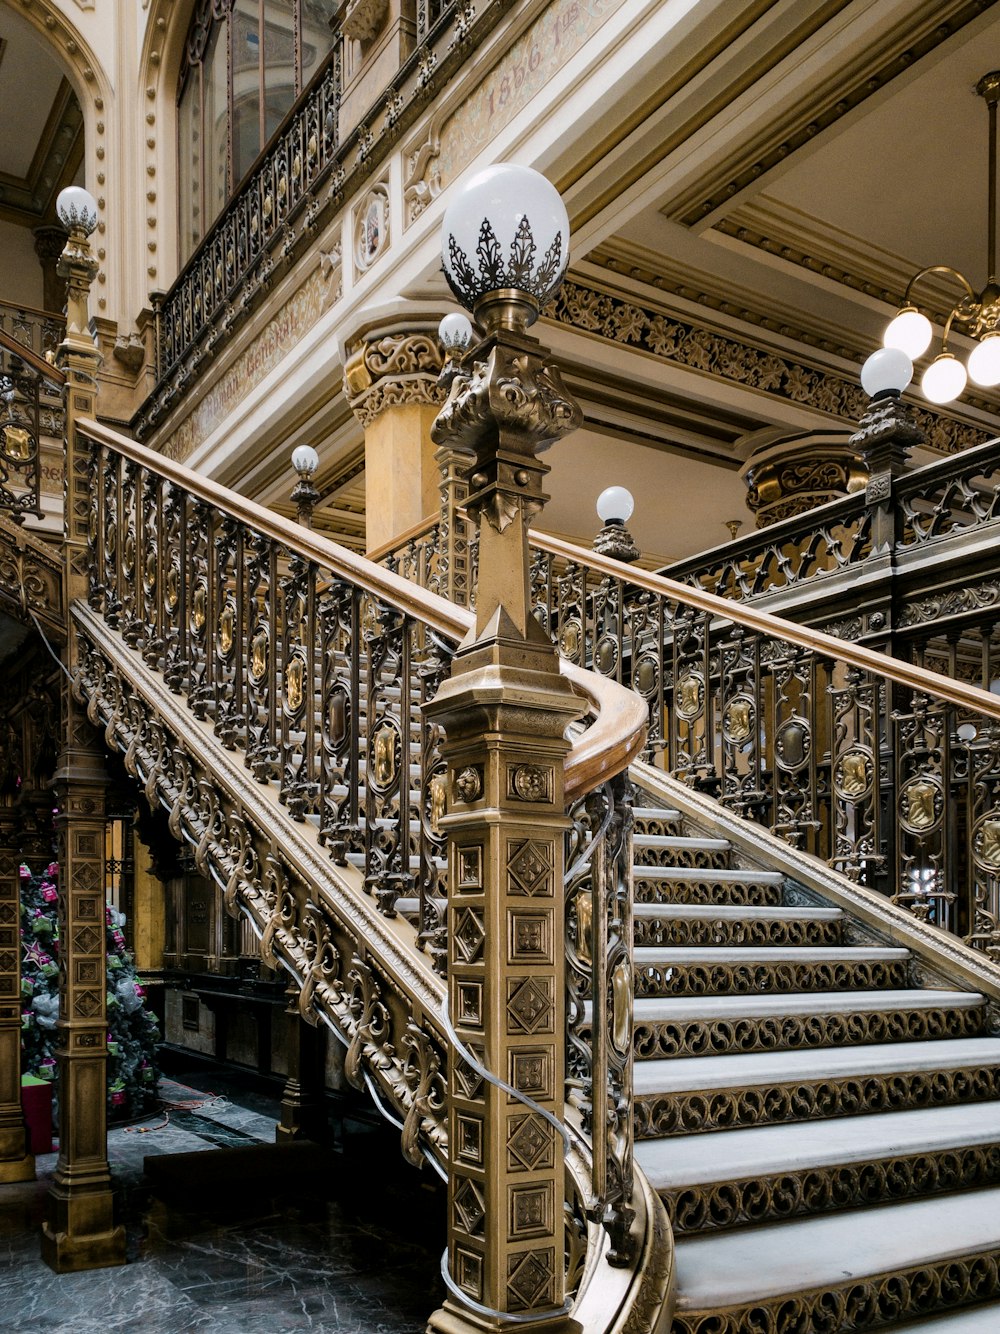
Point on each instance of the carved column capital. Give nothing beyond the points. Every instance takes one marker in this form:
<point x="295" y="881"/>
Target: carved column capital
<point x="787" y="475"/>
<point x="392" y="370"/>
<point x="885" y="436"/>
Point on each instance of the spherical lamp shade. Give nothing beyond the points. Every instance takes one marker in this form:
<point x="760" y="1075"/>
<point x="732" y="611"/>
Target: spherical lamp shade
<point x="886" y="371"/>
<point x="305" y="460"/>
<point x="944" y="379"/>
<point x="456" y="333"/>
<point x="984" y="361"/>
<point x="506" y="230"/>
<point x="615" y="505"/>
<point x="77" y="209"/>
<point x="910" y="332"/>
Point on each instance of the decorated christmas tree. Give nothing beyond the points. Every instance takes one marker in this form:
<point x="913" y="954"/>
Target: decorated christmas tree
<point x="132" y="1029"/>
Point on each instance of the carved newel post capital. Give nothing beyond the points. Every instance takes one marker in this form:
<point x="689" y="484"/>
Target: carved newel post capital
<point x="885" y="436"/>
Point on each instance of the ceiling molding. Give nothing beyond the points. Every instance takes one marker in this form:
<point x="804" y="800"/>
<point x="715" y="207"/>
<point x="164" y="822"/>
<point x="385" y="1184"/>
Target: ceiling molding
<point x="30" y="200"/>
<point x="932" y="23"/>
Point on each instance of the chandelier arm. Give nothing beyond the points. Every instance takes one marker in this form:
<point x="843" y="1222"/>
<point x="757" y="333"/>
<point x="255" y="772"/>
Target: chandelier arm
<point x="940" y="268"/>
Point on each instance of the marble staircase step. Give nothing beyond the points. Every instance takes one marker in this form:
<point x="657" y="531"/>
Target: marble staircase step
<point x="680" y="850"/>
<point x="857" y="1270"/>
<point x="716" y="1025"/>
<point x="747" y="1176"/>
<point x="727" y="1092"/>
<point x="695" y="884"/>
<point x="734" y="924"/>
<point x="742" y="970"/>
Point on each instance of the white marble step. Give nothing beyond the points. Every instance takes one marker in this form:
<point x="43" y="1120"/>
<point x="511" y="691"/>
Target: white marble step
<point x="660" y="955"/>
<point x="731" y="1008"/>
<point x="749" y="1265"/>
<point x="804" y="1066"/>
<point x="972" y="1320"/>
<point x="680" y="841"/>
<point x="720" y="875"/>
<point x="657" y="812"/>
<point x="733" y="1155"/>
<point x="735" y="912"/>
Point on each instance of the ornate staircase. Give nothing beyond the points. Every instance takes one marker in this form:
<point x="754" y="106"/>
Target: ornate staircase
<point x="817" y="1097"/>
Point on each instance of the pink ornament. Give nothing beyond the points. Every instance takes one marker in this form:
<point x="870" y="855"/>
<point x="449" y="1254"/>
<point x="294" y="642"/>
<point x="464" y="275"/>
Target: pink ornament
<point x="50" y="895"/>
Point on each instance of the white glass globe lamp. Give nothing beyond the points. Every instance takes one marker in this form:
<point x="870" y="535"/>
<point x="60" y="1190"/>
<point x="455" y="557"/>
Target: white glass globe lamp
<point x="505" y="245"/>
<point x="984" y="361"/>
<point x="615" y="505"/>
<point x="944" y="379"/>
<point x="77" y="209"/>
<point x="305" y="460"/>
<point x="456" y="333"/>
<point x="887" y="371"/>
<point x="910" y="332"/>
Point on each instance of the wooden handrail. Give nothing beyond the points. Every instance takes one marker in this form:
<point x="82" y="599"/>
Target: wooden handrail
<point x="815" y="641"/>
<point x="608" y="746"/>
<point x="421" y="529"/>
<point x="46" y="368"/>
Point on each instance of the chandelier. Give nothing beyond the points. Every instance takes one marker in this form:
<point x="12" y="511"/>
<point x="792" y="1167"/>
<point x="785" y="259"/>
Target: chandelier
<point x="976" y="314"/>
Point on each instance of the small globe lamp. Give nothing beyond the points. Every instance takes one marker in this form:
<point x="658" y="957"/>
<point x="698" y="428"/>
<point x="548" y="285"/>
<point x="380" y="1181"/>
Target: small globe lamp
<point x="305" y="461"/>
<point x="887" y="431"/>
<point x="615" y="507"/>
<point x="456" y="335"/>
<point x="77" y="210"/>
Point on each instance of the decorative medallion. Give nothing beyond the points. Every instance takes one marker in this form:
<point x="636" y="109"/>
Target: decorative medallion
<point x="149" y="574"/>
<point x="337" y="715"/>
<point x="986" y="842"/>
<point x="646" y="676"/>
<point x="853" y="774"/>
<point x="371" y="227"/>
<point x="384" y="755"/>
<point x="19" y="444"/>
<point x="793" y="744"/>
<point x="529" y="782"/>
<point x="259" y="654"/>
<point x="295" y="680"/>
<point x="689" y="696"/>
<point x="227" y="623"/>
<point x="199" y="607"/>
<point x="920" y="805"/>
<point x="110" y="540"/>
<point x="173" y="587"/>
<point x="738" y="720"/>
<point x="529" y="1006"/>
<point x="585" y="927"/>
<point x="621" y="993"/>
<point x="569" y="641"/>
<point x="606" y="655"/>
<point x="128" y="555"/>
<point x="438" y="802"/>
<point x="468" y="784"/>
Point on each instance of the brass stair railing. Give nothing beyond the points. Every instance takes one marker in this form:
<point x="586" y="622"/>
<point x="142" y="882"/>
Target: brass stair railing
<point x="306" y="667"/>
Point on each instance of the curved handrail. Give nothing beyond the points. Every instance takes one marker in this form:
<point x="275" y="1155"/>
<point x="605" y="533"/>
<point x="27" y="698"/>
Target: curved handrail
<point x="815" y="641"/>
<point x="32" y="359"/>
<point x="607" y="747"/>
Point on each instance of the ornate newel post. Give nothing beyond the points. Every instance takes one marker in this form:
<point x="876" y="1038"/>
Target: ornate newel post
<point x="885" y="436"/>
<point x="505" y="710"/>
<point x="79" y="1231"/>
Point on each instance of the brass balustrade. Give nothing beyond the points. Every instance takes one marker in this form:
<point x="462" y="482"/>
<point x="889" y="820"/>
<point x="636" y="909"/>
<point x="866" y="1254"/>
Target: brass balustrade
<point x="30" y="408"/>
<point x="313" y="664"/>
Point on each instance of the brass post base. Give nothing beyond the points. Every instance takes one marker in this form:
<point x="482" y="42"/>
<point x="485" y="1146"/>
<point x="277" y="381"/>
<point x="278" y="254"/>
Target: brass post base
<point x="80" y="1232"/>
<point x="17" y="1169"/>
<point x="452" y="1319"/>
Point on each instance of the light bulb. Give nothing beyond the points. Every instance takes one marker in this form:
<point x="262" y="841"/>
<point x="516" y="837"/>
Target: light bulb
<point x="944" y="379"/>
<point x="456" y="332"/>
<point x="615" y="504"/>
<point x="910" y="332"/>
<point x="886" y="371"/>
<point x="984" y="361"/>
<point x="305" y="460"/>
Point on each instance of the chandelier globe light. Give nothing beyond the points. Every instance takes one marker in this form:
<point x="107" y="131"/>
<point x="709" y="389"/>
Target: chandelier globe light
<point x="976" y="314"/>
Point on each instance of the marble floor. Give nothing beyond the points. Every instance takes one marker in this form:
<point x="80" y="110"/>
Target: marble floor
<point x="349" y="1240"/>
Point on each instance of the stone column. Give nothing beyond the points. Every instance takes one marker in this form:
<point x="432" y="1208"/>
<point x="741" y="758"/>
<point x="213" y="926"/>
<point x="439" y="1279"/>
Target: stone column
<point x="392" y="387"/>
<point x="49" y="243"/>
<point x="505" y="711"/>
<point x="787" y="474"/>
<point x="16" y="1163"/>
<point x="79" y="1231"/>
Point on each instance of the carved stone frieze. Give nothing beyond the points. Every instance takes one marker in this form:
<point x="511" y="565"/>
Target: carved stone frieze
<point x="685" y="343"/>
